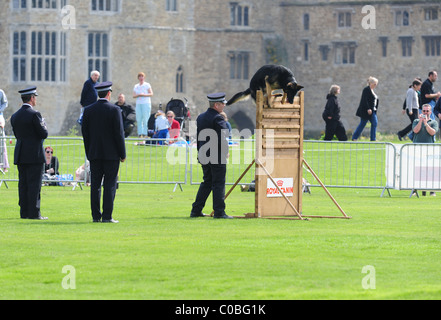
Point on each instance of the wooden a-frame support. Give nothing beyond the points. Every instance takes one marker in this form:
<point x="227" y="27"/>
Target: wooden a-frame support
<point x="287" y="122"/>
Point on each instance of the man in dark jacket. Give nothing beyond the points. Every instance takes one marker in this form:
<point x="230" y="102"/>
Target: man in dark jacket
<point x="212" y="145"/>
<point x="30" y="130"/>
<point x="367" y="110"/>
<point x="331" y="115"/>
<point x="128" y="114"/>
<point x="103" y="135"/>
<point x="89" y="94"/>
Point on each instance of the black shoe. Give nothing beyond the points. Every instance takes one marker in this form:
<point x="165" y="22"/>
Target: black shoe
<point x="224" y="216"/>
<point x="110" y="221"/>
<point x="39" y="218"/>
<point x="96" y="220"/>
<point x="399" y="137"/>
<point x="197" y="215"/>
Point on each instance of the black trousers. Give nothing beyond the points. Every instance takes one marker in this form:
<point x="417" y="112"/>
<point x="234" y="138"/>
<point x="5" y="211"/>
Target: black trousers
<point x="335" y="127"/>
<point x="412" y="117"/>
<point x="30" y="177"/>
<point x="103" y="172"/>
<point x="214" y="180"/>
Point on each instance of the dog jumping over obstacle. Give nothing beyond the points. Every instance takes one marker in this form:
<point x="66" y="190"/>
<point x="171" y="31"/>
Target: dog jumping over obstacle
<point x="278" y="77"/>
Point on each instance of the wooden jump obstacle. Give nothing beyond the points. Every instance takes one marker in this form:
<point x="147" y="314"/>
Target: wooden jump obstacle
<point x="279" y="159"/>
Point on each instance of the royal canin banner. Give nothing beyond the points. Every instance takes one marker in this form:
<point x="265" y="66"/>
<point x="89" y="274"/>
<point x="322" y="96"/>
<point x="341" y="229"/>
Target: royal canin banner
<point x="285" y="184"/>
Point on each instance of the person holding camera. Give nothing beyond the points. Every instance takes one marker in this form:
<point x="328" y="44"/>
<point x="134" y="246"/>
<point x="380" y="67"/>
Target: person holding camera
<point x="425" y="128"/>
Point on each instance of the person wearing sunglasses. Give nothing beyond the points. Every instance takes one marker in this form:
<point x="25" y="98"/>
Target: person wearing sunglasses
<point x="174" y="126"/>
<point x="51" y="165"/>
<point x="424" y="127"/>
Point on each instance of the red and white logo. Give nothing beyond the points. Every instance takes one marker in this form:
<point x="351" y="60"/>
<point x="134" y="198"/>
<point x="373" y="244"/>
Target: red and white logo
<point x="283" y="184"/>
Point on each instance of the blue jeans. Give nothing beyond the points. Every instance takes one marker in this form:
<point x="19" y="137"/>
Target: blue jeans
<point x="161" y="134"/>
<point x="363" y="122"/>
<point x="142" y="118"/>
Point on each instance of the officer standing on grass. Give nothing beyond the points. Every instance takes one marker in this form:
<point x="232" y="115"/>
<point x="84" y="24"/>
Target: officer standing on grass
<point x="30" y="131"/>
<point x="212" y="145"/>
<point x="103" y="135"/>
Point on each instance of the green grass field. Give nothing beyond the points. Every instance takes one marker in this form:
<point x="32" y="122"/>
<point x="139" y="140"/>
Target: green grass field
<point x="158" y="252"/>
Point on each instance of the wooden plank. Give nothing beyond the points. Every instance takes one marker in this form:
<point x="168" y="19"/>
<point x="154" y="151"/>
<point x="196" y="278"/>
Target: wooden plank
<point x="281" y="136"/>
<point x="280" y="146"/>
<point x="281" y="115"/>
<point x="280" y="126"/>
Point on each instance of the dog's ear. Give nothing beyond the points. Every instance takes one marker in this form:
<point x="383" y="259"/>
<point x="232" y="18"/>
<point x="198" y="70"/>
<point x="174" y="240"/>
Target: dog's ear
<point x="294" y="85"/>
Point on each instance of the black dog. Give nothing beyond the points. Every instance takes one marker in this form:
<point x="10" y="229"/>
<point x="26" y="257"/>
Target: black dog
<point x="279" y="77"/>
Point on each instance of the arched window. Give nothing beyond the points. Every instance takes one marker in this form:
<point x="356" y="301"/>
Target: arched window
<point x="180" y="80"/>
<point x="306" y="21"/>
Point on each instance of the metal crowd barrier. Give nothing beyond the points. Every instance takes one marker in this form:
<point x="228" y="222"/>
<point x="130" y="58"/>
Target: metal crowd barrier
<point x="146" y="163"/>
<point x="337" y="164"/>
<point x="350" y="164"/>
<point x="373" y="165"/>
<point x="241" y="155"/>
<point x="419" y="167"/>
<point x="160" y="161"/>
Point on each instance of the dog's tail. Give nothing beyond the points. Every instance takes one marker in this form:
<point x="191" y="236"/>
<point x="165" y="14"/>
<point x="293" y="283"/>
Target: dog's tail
<point x="239" y="96"/>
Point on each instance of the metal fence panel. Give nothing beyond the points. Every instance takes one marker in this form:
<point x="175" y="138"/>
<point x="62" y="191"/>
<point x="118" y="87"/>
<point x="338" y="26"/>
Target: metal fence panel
<point x="241" y="155"/>
<point x="337" y="164"/>
<point x="145" y="164"/>
<point x="420" y="167"/>
<point x="154" y="163"/>
<point x="350" y="164"/>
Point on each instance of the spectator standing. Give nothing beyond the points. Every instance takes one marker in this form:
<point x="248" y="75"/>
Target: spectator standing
<point x="143" y="92"/>
<point x="30" y="131"/>
<point x="3" y="106"/>
<point x="412" y="107"/>
<point x="331" y="115"/>
<point x="367" y="110"/>
<point x="428" y="94"/>
<point x="437" y="109"/>
<point x="425" y="130"/>
<point x="89" y="94"/>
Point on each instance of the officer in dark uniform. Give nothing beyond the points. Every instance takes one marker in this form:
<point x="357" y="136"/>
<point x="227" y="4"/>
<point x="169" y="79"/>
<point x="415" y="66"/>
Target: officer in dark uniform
<point x="30" y="130"/>
<point x="212" y="145"/>
<point x="103" y="135"/>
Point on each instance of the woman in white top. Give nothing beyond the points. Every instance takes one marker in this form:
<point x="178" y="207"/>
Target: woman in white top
<point x="412" y="106"/>
<point x="142" y="93"/>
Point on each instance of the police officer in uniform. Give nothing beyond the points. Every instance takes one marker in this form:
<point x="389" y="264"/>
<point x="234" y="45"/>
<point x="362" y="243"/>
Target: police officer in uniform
<point x="30" y="131"/>
<point x="212" y="145"/>
<point x="103" y="135"/>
